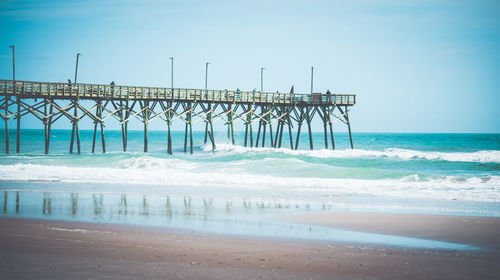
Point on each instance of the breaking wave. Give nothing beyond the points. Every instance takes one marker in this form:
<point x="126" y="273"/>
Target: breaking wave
<point x="492" y="156"/>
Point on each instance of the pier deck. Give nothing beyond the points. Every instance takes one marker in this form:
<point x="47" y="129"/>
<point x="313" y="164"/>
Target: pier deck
<point x="148" y="103"/>
<point x="29" y="89"/>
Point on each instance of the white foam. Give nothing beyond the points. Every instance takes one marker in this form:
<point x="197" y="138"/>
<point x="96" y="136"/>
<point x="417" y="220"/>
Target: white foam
<point x="492" y="156"/>
<point x="68" y="230"/>
<point x="187" y="177"/>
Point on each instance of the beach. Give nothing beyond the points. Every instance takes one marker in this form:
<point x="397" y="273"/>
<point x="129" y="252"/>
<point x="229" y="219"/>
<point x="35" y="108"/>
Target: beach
<point x="43" y="249"/>
<point x="402" y="206"/>
<point x="350" y="140"/>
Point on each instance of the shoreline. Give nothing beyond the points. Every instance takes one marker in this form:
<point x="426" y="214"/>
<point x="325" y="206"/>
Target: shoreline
<point x="50" y="249"/>
<point x="481" y="231"/>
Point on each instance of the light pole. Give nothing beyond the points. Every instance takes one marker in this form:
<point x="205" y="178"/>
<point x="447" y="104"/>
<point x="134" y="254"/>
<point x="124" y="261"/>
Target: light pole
<point x="18" y="130"/>
<point x="13" y="64"/>
<point x="76" y="68"/>
<point x="312" y="76"/>
<point x="172" y="74"/>
<point x="209" y="104"/>
<point x="206" y="74"/>
<point x="262" y="79"/>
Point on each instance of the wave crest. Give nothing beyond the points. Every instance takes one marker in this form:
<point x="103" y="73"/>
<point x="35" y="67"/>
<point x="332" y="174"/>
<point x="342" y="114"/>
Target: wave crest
<point x="486" y="156"/>
<point x="484" y="189"/>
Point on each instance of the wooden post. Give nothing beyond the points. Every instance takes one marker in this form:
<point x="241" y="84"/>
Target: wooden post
<point x="308" y="119"/>
<point x="346" y="117"/>
<point x="275" y="144"/>
<point x="325" y="132"/>
<point x="72" y="137"/>
<point x="122" y="122"/>
<point x="190" y="130"/>
<point x="126" y="124"/>
<point x="276" y="136"/>
<point x="18" y="127"/>
<point x="281" y="133"/>
<point x="95" y="131"/>
<point x="145" y="114"/>
<point x="169" y="141"/>
<point x="190" y="137"/>
<point x="331" y="135"/>
<point x="7" y="124"/>
<point x="185" y="137"/>
<point x="102" y="129"/>
<point x="45" y="125"/>
<point x="310" y="135"/>
<point x="230" y="131"/>
<point x="75" y="129"/>
<point x="251" y="130"/>
<point x="270" y="118"/>
<point x="348" y="126"/>
<point x="246" y="134"/>
<point x="206" y="133"/>
<point x="210" y="133"/>
<point x="186" y="133"/>
<point x="331" y="128"/>
<point x="301" y="119"/>
<point x="206" y="123"/>
<point x="258" y="134"/>
<point x="97" y="109"/>
<point x="48" y="122"/>
<point x="290" y="131"/>
<point x="298" y="135"/>
<point x="264" y="133"/>
<point x="246" y="126"/>
<point x="169" y="121"/>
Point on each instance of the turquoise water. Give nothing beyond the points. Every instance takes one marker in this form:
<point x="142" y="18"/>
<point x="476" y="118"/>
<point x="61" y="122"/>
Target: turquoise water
<point x="456" y="174"/>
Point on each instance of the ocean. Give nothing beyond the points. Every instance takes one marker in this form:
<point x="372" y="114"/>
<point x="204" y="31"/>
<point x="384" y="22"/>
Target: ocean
<point x="237" y="189"/>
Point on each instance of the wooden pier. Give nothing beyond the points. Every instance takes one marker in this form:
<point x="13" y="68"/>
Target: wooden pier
<point x="50" y="102"/>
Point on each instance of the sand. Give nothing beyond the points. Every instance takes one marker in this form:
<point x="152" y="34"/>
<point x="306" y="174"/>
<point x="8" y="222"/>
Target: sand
<point x="45" y="249"/>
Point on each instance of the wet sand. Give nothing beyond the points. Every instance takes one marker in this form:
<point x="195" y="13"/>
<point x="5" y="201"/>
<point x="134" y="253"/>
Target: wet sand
<point x="44" y="249"/>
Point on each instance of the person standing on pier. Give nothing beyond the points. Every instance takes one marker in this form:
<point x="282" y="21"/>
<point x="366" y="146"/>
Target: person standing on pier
<point x="328" y="96"/>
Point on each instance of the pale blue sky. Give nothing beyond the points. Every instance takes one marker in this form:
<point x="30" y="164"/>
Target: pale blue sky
<point x="416" y="66"/>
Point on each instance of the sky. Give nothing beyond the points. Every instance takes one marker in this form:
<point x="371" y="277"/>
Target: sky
<point x="415" y="66"/>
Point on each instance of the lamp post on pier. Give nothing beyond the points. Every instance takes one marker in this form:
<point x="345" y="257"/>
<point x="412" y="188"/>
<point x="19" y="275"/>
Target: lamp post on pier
<point x="312" y="78"/>
<point x="262" y="79"/>
<point x="206" y="74"/>
<point x="76" y="67"/>
<point x="172" y="74"/>
<point x="13" y="63"/>
<point x="209" y="104"/>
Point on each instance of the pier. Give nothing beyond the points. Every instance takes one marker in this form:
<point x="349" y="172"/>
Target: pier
<point x="271" y="112"/>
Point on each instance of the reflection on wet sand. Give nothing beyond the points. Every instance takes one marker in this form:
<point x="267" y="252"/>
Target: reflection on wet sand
<point x="252" y="217"/>
<point x="122" y="209"/>
<point x="131" y="207"/>
<point x="47" y="204"/>
<point x="98" y="199"/>
<point x="74" y="204"/>
<point x="145" y="210"/>
<point x="5" y="198"/>
<point x="17" y="202"/>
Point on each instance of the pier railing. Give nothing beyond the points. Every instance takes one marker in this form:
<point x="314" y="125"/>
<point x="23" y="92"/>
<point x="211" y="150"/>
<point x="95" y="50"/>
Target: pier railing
<point x="30" y="89"/>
